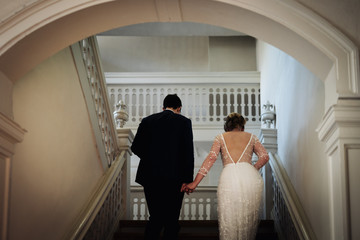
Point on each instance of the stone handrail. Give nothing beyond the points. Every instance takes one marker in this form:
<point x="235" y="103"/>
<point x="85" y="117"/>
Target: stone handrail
<point x="100" y="217"/>
<point x="289" y="216"/>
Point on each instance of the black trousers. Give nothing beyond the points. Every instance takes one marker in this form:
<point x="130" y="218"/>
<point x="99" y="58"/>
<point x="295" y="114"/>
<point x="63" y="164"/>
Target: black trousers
<point x="164" y="201"/>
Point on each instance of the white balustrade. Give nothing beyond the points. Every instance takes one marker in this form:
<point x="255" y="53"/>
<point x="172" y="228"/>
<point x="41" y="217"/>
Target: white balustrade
<point x="199" y="205"/>
<point x="205" y="104"/>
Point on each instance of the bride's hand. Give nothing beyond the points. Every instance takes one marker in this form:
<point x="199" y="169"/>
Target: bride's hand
<point x="188" y="188"/>
<point x="191" y="186"/>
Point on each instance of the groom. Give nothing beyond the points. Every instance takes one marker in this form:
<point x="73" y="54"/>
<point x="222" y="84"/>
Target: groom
<point x="164" y="144"/>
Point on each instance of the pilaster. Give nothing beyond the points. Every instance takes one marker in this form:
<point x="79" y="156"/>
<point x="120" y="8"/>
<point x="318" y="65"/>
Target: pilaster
<point x="340" y="131"/>
<point x="10" y="134"/>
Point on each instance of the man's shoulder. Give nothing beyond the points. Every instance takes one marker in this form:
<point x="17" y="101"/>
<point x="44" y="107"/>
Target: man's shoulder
<point x="154" y="115"/>
<point x="168" y="115"/>
<point x="182" y="118"/>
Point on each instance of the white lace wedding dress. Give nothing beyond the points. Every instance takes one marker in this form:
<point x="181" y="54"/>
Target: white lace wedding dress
<point x="240" y="185"/>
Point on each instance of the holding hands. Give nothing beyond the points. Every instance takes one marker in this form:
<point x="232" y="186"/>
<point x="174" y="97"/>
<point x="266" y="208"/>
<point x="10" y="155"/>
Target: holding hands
<point x="188" y="188"/>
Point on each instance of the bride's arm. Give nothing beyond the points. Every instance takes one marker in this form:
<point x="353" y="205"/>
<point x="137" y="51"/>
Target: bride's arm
<point x="260" y="151"/>
<point x="205" y="167"/>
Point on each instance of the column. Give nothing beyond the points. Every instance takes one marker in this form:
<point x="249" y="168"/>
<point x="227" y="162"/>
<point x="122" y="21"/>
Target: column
<point x="340" y="131"/>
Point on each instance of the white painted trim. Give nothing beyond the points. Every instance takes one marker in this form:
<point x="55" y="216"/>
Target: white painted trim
<point x="296" y="211"/>
<point x="339" y="130"/>
<point x="10" y="134"/>
<point x="340" y="116"/>
<point x="181" y="77"/>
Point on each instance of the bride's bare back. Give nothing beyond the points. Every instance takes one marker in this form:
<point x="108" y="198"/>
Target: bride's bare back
<point x="235" y="146"/>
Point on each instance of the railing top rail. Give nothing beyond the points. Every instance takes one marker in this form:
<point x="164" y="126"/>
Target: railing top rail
<point x="168" y="78"/>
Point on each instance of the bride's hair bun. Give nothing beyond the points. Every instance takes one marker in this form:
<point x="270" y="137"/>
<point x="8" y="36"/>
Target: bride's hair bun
<point x="234" y="120"/>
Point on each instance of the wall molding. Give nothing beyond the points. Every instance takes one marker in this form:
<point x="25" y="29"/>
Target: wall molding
<point x="10" y="134"/>
<point x="338" y="122"/>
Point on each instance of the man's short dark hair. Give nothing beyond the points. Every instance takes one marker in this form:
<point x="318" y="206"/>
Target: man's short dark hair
<point x="172" y="101"/>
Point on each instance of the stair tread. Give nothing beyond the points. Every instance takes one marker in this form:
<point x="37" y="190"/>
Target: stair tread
<point x="198" y="229"/>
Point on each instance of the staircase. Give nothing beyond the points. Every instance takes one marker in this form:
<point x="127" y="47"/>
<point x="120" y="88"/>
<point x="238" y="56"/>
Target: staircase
<point x="191" y="230"/>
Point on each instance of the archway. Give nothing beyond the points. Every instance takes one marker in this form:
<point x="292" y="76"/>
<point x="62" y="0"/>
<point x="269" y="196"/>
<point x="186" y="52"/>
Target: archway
<point x="43" y="29"/>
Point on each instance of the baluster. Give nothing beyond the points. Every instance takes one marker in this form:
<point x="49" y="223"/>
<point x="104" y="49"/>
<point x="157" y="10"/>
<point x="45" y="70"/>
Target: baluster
<point x="142" y="209"/>
<point x="211" y="105"/>
<point x="187" y="209"/>
<point x="208" y="209"/>
<point x="151" y="100"/>
<point x="133" y="104"/>
<point x="138" y="105"/>
<point x="258" y="108"/>
<point x="203" y="105"/>
<point x="255" y="104"/>
<point x="161" y="98"/>
<point x="147" y="102"/>
<point x="228" y="102"/>
<point x="193" y="209"/>
<point x="193" y="105"/>
<point x="217" y="102"/>
<point x="243" y="102"/>
<point x="154" y="102"/>
<point x="201" y="209"/>
<point x="135" y="214"/>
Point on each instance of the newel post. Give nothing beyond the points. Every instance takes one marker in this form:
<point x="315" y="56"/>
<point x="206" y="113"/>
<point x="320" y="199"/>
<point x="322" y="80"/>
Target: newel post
<point x="268" y="137"/>
<point x="125" y="138"/>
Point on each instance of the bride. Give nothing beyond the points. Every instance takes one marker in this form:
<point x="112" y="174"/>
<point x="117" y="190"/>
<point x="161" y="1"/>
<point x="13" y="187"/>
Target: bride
<point x="240" y="184"/>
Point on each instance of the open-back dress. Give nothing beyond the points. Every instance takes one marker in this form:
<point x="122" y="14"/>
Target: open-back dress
<point x="240" y="185"/>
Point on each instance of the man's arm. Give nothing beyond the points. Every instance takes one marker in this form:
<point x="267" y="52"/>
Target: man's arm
<point x="137" y="146"/>
<point x="189" y="151"/>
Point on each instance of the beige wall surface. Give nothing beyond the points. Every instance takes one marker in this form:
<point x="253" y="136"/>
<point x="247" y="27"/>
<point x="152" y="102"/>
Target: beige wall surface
<point x="177" y="54"/>
<point x="56" y="167"/>
<point x="6" y="96"/>
<point x="299" y="100"/>
<point x="232" y="54"/>
<point x="153" y="54"/>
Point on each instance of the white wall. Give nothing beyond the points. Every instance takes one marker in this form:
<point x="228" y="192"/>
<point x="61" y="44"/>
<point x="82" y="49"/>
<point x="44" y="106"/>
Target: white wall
<point x="299" y="99"/>
<point x="56" y="167"/>
<point x="177" y="54"/>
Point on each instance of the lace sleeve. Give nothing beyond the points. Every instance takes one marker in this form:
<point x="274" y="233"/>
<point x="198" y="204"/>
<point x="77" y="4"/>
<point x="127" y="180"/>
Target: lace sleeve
<point x="260" y="151"/>
<point x="211" y="158"/>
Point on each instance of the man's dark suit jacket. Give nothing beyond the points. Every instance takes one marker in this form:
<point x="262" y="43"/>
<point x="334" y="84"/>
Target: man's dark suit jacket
<point x="164" y="144"/>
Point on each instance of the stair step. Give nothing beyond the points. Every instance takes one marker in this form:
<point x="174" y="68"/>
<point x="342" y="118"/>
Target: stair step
<point x="191" y="230"/>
